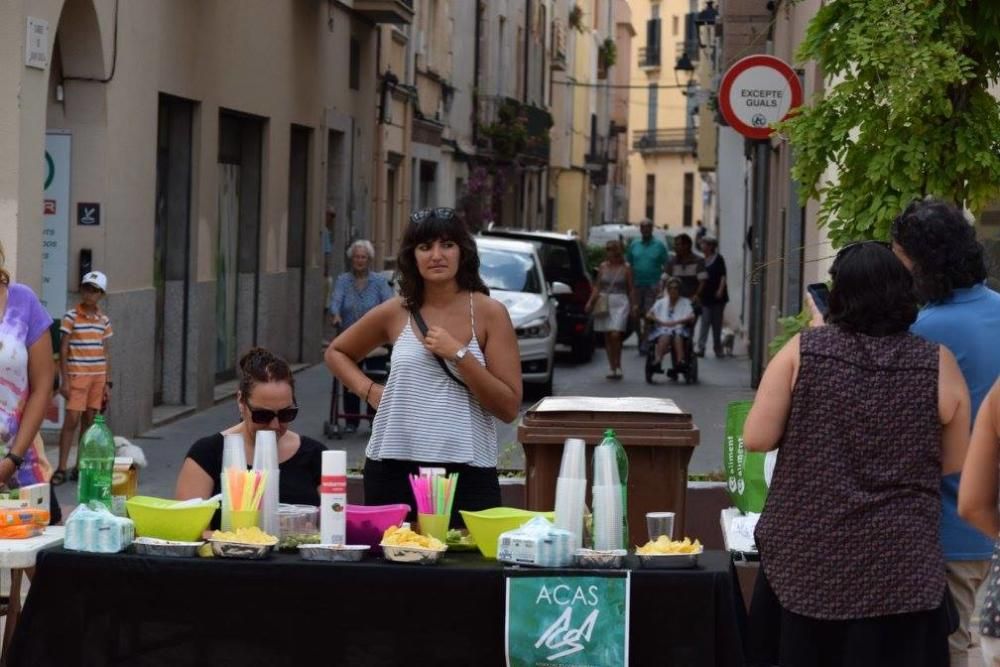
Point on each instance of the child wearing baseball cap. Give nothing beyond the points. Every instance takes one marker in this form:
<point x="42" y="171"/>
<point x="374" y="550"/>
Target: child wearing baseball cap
<point x="84" y="365"/>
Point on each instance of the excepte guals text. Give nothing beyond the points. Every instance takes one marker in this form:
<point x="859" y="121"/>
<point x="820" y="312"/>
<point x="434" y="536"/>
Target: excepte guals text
<point x="762" y="98"/>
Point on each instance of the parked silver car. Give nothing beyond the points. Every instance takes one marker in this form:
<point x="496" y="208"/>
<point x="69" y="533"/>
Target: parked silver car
<point x="513" y="272"/>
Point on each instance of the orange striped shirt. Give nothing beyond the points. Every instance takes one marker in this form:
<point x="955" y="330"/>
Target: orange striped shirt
<point x="87" y="333"/>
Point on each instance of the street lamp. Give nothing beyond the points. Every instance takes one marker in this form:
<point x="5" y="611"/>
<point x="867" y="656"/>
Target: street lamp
<point x="684" y="64"/>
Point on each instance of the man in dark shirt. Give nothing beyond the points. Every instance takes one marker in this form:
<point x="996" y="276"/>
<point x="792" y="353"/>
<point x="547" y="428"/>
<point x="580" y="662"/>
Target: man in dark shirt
<point x="688" y="267"/>
<point x="714" y="297"/>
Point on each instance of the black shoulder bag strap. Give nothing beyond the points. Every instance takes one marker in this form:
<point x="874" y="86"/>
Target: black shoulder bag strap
<point x="418" y="318"/>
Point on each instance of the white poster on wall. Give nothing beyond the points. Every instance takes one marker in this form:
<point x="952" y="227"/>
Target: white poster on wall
<point x="55" y="227"/>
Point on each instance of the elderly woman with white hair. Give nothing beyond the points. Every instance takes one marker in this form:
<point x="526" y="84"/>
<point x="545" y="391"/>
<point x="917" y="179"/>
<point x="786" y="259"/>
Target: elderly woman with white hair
<point x="355" y="293"/>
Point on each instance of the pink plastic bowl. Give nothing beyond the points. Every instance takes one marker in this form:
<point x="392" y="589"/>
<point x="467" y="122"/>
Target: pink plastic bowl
<point x="365" y="524"/>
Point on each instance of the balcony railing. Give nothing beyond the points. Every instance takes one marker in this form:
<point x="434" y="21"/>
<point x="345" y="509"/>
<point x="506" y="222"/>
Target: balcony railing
<point x="498" y="113"/>
<point x="669" y="140"/>
<point x="385" y="11"/>
<point x="649" y="57"/>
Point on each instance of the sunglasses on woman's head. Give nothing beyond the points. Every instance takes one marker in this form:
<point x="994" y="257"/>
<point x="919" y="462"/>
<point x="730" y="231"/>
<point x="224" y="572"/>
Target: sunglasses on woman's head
<point x="284" y="415"/>
<point x="442" y="213"/>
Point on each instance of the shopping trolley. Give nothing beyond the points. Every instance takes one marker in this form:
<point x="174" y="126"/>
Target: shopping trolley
<point x="376" y="367"/>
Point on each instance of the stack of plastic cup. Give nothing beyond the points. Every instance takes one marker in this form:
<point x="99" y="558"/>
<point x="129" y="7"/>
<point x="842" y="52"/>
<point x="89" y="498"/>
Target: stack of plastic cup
<point x="608" y="510"/>
<point x="233" y="453"/>
<point x="233" y="456"/>
<point x="265" y="458"/>
<point x="571" y="490"/>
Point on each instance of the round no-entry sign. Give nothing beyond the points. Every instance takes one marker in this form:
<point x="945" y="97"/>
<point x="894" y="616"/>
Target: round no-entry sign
<point x="756" y="92"/>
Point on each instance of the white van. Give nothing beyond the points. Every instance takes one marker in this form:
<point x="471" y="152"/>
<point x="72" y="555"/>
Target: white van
<point x="601" y="234"/>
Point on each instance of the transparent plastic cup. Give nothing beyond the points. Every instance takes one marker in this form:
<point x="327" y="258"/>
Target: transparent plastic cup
<point x="606" y="468"/>
<point x="574" y="463"/>
<point x="233" y="453"/>
<point x="265" y="452"/>
<point x="660" y="523"/>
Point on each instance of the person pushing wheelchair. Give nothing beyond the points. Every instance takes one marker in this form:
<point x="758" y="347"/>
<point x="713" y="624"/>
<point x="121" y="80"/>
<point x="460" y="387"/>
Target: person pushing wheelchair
<point x="672" y="318"/>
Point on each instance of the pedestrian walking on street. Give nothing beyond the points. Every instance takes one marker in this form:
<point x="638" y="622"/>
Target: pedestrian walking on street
<point x="689" y="267"/>
<point x="85" y="364"/>
<point x="455" y="366"/>
<point x="647" y="256"/>
<point x="935" y="241"/>
<point x="611" y="304"/>
<point x="868" y="417"/>
<point x="355" y="293"/>
<point x="714" y="297"/>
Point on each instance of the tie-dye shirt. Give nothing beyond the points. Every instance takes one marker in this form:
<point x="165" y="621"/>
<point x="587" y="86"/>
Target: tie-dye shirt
<point x="24" y="322"/>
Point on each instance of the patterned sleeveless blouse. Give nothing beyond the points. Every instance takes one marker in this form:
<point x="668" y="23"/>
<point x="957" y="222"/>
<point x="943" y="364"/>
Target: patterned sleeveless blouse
<point x="850" y="527"/>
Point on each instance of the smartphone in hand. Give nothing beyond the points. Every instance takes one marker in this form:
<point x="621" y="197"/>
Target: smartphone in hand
<point x="820" y="294"/>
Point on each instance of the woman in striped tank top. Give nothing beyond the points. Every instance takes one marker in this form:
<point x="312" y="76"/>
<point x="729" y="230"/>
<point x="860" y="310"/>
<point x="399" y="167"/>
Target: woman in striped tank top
<point x="425" y="416"/>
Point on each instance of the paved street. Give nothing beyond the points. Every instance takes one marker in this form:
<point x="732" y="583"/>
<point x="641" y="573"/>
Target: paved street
<point x="721" y="381"/>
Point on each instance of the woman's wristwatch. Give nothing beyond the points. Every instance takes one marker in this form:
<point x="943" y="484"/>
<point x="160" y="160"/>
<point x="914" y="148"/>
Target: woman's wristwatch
<point x="18" y="461"/>
<point x="464" y="350"/>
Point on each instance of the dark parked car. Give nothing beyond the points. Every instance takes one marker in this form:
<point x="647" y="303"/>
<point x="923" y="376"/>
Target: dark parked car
<point x="563" y="260"/>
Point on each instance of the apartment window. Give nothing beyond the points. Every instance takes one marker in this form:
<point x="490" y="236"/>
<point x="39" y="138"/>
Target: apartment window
<point x="654" y="10"/>
<point x="654" y="100"/>
<point x="688" y="199"/>
<point x="652" y="42"/>
<point x="651" y="197"/>
<point x="354" y="74"/>
<point x="676" y="25"/>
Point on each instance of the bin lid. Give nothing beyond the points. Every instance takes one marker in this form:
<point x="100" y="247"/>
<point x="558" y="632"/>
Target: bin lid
<point x="633" y="404"/>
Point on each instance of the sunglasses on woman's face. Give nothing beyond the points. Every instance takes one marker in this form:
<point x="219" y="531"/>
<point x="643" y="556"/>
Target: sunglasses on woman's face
<point x="284" y="415"/>
<point x="442" y="213"/>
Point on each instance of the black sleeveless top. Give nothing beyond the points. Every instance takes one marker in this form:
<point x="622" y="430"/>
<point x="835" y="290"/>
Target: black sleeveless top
<point x="850" y="527"/>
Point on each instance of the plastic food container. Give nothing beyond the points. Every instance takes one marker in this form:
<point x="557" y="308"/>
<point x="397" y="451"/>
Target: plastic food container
<point x="151" y="546"/>
<point x="418" y="555"/>
<point x="367" y="523"/>
<point x="334" y="552"/>
<point x="613" y="559"/>
<point x="487" y="525"/>
<point x="670" y="561"/>
<point x="240" y="549"/>
<point x="297" y="524"/>
<point x="156" y="517"/>
<point x="297" y="520"/>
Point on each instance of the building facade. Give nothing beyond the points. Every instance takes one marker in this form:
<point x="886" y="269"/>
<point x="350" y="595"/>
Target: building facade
<point x="213" y="157"/>
<point x="665" y="185"/>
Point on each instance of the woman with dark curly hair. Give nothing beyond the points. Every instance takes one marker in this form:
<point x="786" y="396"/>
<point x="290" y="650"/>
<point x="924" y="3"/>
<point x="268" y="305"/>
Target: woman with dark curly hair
<point x="455" y="366"/>
<point x="936" y="242"/>
<point x="867" y="417"/>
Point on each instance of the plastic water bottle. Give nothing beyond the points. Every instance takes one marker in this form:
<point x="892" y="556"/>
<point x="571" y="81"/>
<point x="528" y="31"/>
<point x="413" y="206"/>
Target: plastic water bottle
<point x="97" y="462"/>
<point x="622" y="458"/>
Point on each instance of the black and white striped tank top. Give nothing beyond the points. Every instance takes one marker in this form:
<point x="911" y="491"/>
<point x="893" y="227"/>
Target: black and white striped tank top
<point x="426" y="416"/>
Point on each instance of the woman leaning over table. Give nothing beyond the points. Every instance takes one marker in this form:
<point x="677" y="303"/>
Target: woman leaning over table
<point x="868" y="417"/>
<point x="265" y="401"/>
<point x="357" y="291"/>
<point x="425" y="417"/>
<point x="27" y="373"/>
<point x="977" y="504"/>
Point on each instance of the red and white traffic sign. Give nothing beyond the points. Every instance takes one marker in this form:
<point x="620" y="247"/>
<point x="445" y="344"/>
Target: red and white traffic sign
<point x="756" y="92"/>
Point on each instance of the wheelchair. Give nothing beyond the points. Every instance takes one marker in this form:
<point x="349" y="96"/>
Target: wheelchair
<point x="687" y="367"/>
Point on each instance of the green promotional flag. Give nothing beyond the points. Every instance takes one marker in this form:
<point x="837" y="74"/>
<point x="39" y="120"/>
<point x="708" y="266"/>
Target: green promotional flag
<point x="567" y="621"/>
<point x="745" y="471"/>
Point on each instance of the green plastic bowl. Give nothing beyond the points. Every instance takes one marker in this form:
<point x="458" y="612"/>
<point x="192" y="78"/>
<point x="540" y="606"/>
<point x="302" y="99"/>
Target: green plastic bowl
<point x="156" y="517"/>
<point x="486" y="526"/>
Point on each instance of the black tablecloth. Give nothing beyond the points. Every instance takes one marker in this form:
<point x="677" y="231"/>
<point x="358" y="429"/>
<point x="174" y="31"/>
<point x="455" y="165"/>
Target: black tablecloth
<point x="124" y="609"/>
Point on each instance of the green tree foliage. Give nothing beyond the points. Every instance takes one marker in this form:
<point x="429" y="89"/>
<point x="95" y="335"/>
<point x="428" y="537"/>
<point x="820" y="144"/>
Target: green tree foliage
<point x="906" y="112"/>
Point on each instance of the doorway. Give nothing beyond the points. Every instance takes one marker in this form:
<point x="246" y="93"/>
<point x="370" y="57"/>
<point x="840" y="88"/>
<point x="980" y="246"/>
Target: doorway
<point x="298" y="223"/>
<point x="171" y="250"/>
<point x="238" y="247"/>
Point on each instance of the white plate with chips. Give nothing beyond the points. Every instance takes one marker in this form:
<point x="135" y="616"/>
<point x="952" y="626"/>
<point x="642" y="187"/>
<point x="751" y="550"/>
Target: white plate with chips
<point x="670" y="561"/>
